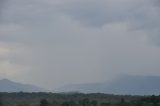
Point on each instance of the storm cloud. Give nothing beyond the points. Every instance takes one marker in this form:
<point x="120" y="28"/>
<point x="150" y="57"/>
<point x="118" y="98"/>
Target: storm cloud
<point x="2" y="2"/>
<point x="53" y="43"/>
<point x="141" y="15"/>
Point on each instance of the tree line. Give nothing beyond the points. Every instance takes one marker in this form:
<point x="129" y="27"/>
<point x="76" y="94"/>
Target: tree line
<point x="76" y="99"/>
<point x="145" y="101"/>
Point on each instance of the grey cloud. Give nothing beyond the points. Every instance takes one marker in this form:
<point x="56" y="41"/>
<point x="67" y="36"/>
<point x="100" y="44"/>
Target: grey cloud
<point x="95" y="13"/>
<point x="58" y="42"/>
<point x="157" y="2"/>
<point x="154" y="36"/>
<point x="150" y="23"/>
<point x="141" y="15"/>
<point x="2" y="3"/>
<point x="42" y="25"/>
<point x="99" y="13"/>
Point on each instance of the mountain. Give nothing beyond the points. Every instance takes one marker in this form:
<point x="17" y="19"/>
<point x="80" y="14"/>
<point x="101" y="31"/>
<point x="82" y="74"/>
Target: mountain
<point x="10" y="86"/>
<point x="125" y="85"/>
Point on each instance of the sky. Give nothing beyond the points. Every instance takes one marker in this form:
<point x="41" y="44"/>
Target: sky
<point x="51" y="43"/>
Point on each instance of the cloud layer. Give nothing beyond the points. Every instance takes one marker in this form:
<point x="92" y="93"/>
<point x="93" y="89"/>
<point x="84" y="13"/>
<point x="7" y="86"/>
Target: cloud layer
<point x="52" y="43"/>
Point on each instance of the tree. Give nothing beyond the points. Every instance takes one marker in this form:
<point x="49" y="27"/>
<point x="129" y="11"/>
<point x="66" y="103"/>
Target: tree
<point x="104" y="104"/>
<point x="94" y="103"/>
<point x="86" y="102"/>
<point x="154" y="100"/>
<point x="65" y="104"/>
<point x="122" y="102"/>
<point x="69" y="103"/>
<point x="1" y="104"/>
<point x="54" y="103"/>
<point x="44" y="102"/>
<point x="72" y="103"/>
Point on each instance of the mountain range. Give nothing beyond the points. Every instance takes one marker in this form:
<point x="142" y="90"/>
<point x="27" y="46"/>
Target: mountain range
<point x="125" y="85"/>
<point x="10" y="86"/>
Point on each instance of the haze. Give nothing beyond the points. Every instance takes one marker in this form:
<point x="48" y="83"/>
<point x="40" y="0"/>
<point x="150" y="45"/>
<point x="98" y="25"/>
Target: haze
<point x="51" y="43"/>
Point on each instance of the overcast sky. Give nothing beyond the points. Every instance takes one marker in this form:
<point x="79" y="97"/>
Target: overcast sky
<point x="51" y="43"/>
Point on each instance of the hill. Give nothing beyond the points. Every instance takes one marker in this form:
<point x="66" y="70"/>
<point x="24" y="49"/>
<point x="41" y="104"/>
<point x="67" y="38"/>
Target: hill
<point x="10" y="86"/>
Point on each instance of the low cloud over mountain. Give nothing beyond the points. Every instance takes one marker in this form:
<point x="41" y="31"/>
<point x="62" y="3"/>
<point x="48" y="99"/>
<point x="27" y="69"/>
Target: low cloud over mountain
<point x="134" y="85"/>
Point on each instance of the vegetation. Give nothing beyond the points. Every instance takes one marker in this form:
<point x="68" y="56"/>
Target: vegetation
<point x="75" y="99"/>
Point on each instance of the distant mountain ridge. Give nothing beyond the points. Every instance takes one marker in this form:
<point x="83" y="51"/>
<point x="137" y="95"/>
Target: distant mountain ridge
<point x="10" y="86"/>
<point x="125" y="85"/>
